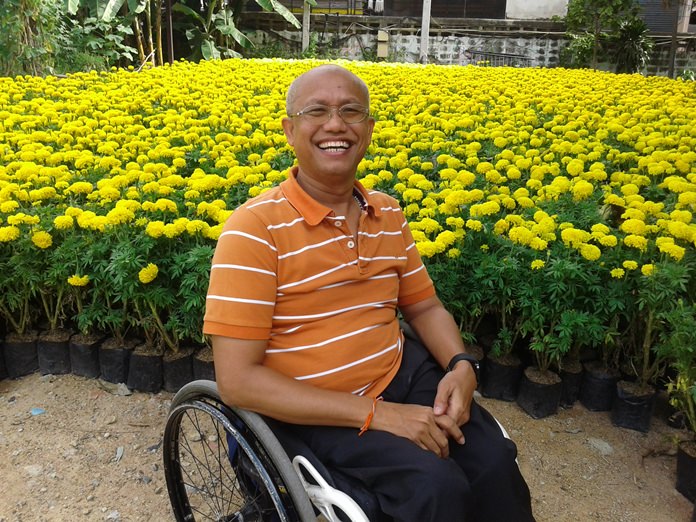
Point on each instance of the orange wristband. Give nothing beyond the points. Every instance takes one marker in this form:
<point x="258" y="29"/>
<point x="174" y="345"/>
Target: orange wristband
<point x="370" y="415"/>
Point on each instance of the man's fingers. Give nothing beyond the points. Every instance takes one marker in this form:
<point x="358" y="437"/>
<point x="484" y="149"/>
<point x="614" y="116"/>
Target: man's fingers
<point x="450" y="428"/>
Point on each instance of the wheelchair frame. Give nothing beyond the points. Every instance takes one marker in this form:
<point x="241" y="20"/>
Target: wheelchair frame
<point x="225" y="464"/>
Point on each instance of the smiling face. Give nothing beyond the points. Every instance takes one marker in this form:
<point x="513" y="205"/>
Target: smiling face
<point x="328" y="152"/>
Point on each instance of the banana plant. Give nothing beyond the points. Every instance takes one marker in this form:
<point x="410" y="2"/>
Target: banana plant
<point x="213" y="35"/>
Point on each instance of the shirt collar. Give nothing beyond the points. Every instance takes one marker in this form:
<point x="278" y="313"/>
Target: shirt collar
<point x="311" y="210"/>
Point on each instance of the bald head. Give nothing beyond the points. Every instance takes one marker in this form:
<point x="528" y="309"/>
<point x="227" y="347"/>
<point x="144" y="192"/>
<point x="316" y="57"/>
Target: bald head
<point x="312" y="78"/>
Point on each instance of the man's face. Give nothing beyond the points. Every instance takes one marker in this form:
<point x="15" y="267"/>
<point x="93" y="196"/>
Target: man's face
<point x="334" y="148"/>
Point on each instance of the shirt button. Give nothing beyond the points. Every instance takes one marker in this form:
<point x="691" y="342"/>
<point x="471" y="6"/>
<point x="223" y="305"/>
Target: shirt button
<point x="338" y="223"/>
<point x="351" y="244"/>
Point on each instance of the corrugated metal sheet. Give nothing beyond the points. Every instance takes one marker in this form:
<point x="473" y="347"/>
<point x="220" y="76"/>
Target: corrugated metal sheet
<point x="658" y="18"/>
<point x="448" y="8"/>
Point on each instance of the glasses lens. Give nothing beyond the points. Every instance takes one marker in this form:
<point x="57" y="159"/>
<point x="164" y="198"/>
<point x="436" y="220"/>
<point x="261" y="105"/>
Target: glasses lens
<point x="316" y="113"/>
<point x="320" y="114"/>
<point x="352" y="113"/>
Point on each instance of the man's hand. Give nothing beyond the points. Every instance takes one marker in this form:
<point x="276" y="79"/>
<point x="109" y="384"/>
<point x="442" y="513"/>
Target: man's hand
<point x="455" y="392"/>
<point x="419" y="424"/>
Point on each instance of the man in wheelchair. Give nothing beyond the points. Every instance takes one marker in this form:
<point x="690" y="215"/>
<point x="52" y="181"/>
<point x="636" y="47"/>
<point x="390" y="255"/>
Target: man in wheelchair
<point x="306" y="287"/>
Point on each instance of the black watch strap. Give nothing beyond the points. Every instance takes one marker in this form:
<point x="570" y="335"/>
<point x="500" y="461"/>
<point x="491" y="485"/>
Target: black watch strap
<point x="465" y="357"/>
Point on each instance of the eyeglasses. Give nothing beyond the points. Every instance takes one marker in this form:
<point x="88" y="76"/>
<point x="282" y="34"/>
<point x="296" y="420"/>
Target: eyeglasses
<point x="319" y="114"/>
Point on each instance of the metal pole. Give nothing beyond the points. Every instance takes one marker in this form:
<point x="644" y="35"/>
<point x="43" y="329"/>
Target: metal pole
<point x="425" y="32"/>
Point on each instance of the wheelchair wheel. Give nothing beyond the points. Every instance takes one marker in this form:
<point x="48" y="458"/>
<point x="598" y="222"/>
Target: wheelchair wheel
<point x="225" y="464"/>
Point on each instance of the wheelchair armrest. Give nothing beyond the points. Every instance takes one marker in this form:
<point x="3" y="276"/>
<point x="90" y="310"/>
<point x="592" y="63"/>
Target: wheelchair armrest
<point x="325" y="497"/>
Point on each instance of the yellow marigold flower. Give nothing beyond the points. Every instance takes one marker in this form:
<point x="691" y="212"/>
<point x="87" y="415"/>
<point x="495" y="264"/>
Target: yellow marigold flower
<point x="77" y="280"/>
<point x="687" y="198"/>
<point x="411" y="209"/>
<point x="453" y="253"/>
<point x="633" y="213"/>
<point x="42" y="239"/>
<point x="8" y="207"/>
<point x="638" y="242"/>
<point x="538" y="264"/>
<point x="617" y="273"/>
<point x="465" y="178"/>
<point x="426" y="213"/>
<point x="455" y="222"/>
<point x="63" y="222"/>
<point x="155" y="229"/>
<point x="474" y="224"/>
<point x="613" y="199"/>
<point x="427" y="165"/>
<point x="412" y="194"/>
<point x="582" y="190"/>
<point x="600" y="228"/>
<point x="148" y="274"/>
<point x="23" y="219"/>
<point x="589" y="252"/>
<point x="681" y="215"/>
<point x="674" y="251"/>
<point x="575" y="167"/>
<point x="608" y="241"/>
<point x="629" y="265"/>
<point x="538" y="243"/>
<point x="647" y="270"/>
<point x="575" y="237"/>
<point x="484" y="209"/>
<point x="520" y="235"/>
<point x="9" y="233"/>
<point x="484" y="167"/>
<point x="426" y="248"/>
<point x="80" y="187"/>
<point x="633" y="226"/>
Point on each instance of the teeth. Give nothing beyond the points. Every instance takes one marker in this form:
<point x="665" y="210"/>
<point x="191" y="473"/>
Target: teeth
<point x="334" y="145"/>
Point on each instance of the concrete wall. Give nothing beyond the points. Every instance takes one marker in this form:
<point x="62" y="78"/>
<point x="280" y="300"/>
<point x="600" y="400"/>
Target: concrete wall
<point x="535" y="9"/>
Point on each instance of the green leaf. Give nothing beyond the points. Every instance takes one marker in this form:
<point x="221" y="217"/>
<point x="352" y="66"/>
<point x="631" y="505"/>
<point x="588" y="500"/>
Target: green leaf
<point x="181" y="8"/>
<point x="72" y="6"/>
<point x="228" y="29"/>
<point x="137" y="6"/>
<point x="209" y="51"/>
<point x="111" y="9"/>
<point x="275" y="6"/>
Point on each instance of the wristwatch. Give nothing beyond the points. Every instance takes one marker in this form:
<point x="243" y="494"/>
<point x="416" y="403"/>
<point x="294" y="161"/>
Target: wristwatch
<point x="465" y="357"/>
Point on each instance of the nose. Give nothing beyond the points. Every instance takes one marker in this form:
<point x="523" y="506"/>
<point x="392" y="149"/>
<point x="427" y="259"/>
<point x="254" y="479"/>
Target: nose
<point x="335" y="120"/>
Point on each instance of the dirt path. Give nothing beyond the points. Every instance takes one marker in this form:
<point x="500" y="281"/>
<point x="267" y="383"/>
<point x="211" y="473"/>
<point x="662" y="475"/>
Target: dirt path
<point x="71" y="449"/>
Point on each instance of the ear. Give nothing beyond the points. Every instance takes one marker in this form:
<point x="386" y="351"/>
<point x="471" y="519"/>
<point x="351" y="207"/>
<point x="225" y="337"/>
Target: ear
<point x="289" y="130"/>
<point x="370" y="127"/>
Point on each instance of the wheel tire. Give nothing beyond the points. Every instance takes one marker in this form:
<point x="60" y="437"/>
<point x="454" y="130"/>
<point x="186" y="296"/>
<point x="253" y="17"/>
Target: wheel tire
<point x="204" y="483"/>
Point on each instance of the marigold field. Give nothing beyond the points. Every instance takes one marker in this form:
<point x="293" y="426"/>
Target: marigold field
<point x="550" y="199"/>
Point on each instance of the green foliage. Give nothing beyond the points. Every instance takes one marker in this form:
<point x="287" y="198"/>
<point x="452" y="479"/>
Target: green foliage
<point x="28" y="36"/>
<point x="592" y="21"/>
<point x="578" y="53"/>
<point x="94" y="44"/>
<point x="631" y="46"/>
<point x="212" y="34"/>
<point x="678" y="346"/>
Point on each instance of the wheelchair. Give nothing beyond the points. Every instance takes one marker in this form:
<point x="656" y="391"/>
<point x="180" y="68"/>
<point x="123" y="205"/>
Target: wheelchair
<point x="226" y="464"/>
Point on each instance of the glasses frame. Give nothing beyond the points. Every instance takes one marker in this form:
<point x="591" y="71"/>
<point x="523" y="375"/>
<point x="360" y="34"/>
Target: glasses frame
<point x="332" y="109"/>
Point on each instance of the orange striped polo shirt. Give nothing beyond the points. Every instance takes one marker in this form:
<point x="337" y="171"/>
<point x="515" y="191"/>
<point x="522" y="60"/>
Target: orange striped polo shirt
<point x="287" y="269"/>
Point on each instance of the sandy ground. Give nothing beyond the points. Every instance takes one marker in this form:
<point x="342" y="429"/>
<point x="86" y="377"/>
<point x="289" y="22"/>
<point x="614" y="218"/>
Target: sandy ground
<point x="73" y="449"/>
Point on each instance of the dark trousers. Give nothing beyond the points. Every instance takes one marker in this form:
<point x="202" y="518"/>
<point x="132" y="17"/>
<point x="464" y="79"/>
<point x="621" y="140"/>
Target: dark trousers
<point x="480" y="481"/>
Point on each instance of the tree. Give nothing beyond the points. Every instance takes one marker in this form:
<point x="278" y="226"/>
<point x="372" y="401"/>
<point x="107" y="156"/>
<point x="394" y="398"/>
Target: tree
<point x="592" y="18"/>
<point x="28" y="36"/>
<point x="632" y="46"/>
